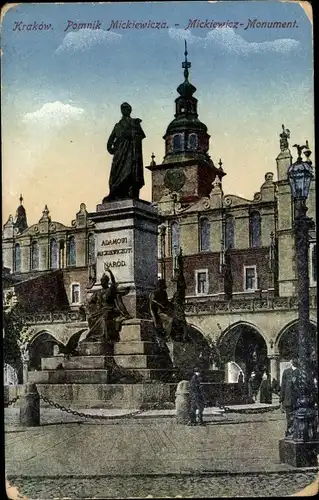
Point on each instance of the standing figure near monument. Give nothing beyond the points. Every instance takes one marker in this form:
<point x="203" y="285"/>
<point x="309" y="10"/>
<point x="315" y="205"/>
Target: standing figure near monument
<point x="106" y="312"/>
<point x="125" y="144"/>
<point x="289" y="394"/>
<point x="253" y="386"/>
<point x="196" y="399"/>
<point x="265" y="389"/>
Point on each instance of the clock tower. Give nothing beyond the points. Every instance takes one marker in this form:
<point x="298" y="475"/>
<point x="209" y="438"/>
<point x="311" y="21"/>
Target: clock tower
<point x="187" y="170"/>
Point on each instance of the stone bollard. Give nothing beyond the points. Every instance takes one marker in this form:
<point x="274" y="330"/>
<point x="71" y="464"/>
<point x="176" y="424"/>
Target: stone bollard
<point x="182" y="402"/>
<point x="30" y="406"/>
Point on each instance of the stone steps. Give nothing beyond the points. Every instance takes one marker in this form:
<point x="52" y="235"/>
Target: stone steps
<point x="145" y="374"/>
<point x="74" y="363"/>
<point x="69" y="376"/>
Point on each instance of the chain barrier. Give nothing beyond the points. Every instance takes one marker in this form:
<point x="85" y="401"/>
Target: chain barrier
<point x="9" y="403"/>
<point x="249" y="410"/>
<point x="76" y="413"/>
<point x="95" y="417"/>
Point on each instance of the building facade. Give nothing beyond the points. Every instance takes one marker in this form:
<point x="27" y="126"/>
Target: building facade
<point x="239" y="254"/>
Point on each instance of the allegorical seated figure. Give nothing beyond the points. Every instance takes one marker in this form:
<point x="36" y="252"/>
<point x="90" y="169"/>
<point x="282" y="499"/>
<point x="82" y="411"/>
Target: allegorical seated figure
<point x="106" y="312"/>
<point x="125" y="144"/>
<point x="162" y="312"/>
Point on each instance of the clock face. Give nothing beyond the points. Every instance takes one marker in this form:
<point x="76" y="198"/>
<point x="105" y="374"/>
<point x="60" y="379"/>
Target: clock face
<point x="175" y="179"/>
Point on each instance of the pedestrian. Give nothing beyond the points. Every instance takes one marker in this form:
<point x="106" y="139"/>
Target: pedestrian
<point x="265" y="389"/>
<point x="240" y="381"/>
<point x="253" y="386"/>
<point x="196" y="399"/>
<point x="289" y="394"/>
<point x="275" y="387"/>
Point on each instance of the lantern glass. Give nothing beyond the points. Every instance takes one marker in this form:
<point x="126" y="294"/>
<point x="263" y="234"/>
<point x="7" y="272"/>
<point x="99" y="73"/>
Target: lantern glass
<point x="300" y="175"/>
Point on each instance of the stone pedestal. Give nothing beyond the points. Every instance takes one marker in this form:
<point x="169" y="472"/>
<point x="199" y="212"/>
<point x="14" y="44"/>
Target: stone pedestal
<point x="298" y="454"/>
<point x="183" y="403"/>
<point x="126" y="241"/>
<point x="134" y="361"/>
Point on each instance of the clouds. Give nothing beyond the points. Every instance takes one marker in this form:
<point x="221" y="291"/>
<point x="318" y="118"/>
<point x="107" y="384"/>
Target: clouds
<point x="53" y="115"/>
<point x="228" y="41"/>
<point x="85" y="39"/>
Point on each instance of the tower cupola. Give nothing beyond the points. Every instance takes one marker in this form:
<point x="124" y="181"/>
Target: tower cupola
<point x="21" y="217"/>
<point x="186" y="136"/>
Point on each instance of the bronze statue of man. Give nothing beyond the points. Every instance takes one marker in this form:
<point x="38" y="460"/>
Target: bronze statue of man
<point x="125" y="144"/>
<point x="106" y="312"/>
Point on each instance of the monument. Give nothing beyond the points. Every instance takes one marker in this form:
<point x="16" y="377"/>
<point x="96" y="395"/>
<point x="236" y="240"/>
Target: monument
<point x="114" y="361"/>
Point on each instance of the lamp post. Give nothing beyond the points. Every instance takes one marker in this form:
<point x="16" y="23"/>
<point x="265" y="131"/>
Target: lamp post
<point x="301" y="448"/>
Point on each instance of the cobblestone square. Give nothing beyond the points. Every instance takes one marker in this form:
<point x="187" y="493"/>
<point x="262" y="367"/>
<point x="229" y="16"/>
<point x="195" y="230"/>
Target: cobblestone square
<point x="233" y="455"/>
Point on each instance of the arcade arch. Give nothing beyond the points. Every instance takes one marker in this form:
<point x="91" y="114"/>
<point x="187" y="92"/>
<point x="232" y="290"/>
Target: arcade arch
<point x="41" y="346"/>
<point x="244" y="344"/>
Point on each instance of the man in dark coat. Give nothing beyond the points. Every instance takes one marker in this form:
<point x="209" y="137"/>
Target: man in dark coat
<point x="265" y="389"/>
<point x="289" y="394"/>
<point x="196" y="398"/>
<point x="253" y="386"/>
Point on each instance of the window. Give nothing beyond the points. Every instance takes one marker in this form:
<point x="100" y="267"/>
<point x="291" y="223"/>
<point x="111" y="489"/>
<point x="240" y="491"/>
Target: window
<point x="53" y="254"/>
<point x="192" y="141"/>
<point x="201" y="278"/>
<point x="178" y="142"/>
<point x="75" y="293"/>
<point x="175" y="239"/>
<point x="204" y="235"/>
<point x="250" y="278"/>
<point x="17" y="258"/>
<point x="313" y="264"/>
<point x="229" y="232"/>
<point x="255" y="230"/>
<point x="71" y="251"/>
<point x="61" y="257"/>
<point x="35" y="255"/>
<point x="91" y="248"/>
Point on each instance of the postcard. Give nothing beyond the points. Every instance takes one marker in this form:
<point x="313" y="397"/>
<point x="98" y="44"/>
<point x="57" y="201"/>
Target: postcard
<point x="159" y="265"/>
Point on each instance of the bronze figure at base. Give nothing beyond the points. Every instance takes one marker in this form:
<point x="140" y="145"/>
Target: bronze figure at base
<point x="106" y="312"/>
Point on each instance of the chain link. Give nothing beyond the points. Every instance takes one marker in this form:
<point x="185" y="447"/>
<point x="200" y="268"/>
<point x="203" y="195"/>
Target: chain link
<point x="9" y="403"/>
<point x="95" y="417"/>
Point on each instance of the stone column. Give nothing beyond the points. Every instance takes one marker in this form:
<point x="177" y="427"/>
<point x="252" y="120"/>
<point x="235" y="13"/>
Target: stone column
<point x="25" y="356"/>
<point x="274" y="366"/>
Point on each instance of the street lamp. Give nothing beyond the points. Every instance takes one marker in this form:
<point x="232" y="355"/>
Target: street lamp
<point x="301" y="448"/>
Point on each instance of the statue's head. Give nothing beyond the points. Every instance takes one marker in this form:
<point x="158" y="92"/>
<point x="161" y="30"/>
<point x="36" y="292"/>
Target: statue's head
<point x="126" y="109"/>
<point x="105" y="281"/>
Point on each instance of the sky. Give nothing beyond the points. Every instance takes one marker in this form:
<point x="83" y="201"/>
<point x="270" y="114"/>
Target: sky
<point x="63" y="83"/>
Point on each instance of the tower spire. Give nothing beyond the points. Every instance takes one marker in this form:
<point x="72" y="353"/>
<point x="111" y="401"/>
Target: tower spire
<point x="186" y="64"/>
<point x="21" y="217"/>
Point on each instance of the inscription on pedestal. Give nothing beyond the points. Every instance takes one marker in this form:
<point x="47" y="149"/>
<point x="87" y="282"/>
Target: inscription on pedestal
<point x="115" y="253"/>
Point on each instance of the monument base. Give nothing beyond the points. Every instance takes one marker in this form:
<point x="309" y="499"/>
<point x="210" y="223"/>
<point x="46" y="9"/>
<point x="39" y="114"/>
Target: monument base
<point x="298" y="454"/>
<point x="131" y="373"/>
<point x="117" y="396"/>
